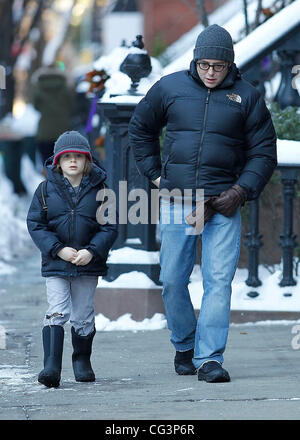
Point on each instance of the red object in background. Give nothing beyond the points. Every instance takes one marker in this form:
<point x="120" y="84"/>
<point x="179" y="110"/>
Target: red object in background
<point x="97" y="79"/>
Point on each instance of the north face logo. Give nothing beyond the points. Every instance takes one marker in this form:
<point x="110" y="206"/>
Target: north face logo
<point x="234" y="97"/>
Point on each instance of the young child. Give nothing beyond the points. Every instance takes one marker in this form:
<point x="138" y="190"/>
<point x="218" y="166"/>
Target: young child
<point x="74" y="247"/>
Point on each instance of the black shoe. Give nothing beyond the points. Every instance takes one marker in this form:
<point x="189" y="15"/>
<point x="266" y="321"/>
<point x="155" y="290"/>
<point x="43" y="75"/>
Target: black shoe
<point x="53" y="340"/>
<point x="212" y="371"/>
<point x="82" y="346"/>
<point x="183" y="362"/>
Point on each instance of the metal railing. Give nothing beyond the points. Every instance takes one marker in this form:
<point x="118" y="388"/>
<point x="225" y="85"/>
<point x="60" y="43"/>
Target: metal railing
<point x="289" y="178"/>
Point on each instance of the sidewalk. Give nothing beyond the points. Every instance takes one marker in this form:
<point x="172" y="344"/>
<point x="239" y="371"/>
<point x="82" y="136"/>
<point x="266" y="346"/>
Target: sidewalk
<point x="135" y="378"/>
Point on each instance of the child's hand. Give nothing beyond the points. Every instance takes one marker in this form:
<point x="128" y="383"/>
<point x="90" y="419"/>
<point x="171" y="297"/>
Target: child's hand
<point x="67" y="254"/>
<point x="83" y="257"/>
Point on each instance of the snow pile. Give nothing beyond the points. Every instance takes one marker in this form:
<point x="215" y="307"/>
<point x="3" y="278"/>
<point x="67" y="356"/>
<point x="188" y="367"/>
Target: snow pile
<point x="288" y="152"/>
<point x="6" y="269"/>
<point x="25" y="125"/>
<point x="220" y="16"/>
<point x="140" y="280"/>
<point x="264" y="35"/>
<point x="133" y="256"/>
<point x="119" y="83"/>
<point x="13" y="231"/>
<point x="14" y="238"/>
<point x="125" y="322"/>
<point x="30" y="177"/>
<point x="271" y="297"/>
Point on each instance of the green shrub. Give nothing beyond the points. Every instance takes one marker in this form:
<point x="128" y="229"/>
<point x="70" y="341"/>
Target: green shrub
<point x="286" y="122"/>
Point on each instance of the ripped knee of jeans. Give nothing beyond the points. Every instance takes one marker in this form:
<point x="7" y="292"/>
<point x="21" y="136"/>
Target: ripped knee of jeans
<point x="50" y="319"/>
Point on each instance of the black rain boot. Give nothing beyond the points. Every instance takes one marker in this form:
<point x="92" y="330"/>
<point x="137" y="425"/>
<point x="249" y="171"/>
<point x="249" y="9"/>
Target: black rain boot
<point x="183" y="362"/>
<point x="82" y="346"/>
<point x="53" y="341"/>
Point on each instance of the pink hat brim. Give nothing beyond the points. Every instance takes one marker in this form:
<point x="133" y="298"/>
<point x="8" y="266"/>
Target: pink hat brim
<point x="71" y="151"/>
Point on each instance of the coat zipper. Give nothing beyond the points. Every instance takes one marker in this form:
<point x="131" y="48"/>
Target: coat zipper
<point x="202" y="136"/>
<point x="72" y="225"/>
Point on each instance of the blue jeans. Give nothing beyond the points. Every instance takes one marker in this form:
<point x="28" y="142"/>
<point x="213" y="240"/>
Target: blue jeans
<point x="220" y="254"/>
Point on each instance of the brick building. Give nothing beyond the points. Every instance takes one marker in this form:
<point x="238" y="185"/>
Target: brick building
<point x="167" y="20"/>
<point x="161" y="22"/>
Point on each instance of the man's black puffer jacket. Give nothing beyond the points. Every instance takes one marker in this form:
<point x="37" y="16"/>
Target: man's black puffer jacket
<point x="214" y="137"/>
<point x="70" y="224"/>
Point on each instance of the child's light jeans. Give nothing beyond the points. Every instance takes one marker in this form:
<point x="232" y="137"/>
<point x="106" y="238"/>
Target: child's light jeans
<point x="71" y="299"/>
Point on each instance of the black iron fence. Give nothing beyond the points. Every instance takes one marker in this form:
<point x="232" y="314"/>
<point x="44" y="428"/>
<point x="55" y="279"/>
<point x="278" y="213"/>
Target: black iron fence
<point x="287" y="240"/>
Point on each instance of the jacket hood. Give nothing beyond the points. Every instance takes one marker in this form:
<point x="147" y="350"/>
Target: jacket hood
<point x="47" y="72"/>
<point x="228" y="81"/>
<point x="97" y="175"/>
<point x="51" y="81"/>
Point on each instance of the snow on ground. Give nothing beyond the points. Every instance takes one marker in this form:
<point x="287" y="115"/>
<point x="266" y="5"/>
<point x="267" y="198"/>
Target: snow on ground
<point x="25" y="124"/>
<point x="125" y="322"/>
<point x="14" y="238"/>
<point x="271" y="297"/>
<point x="14" y="375"/>
<point x="288" y="152"/>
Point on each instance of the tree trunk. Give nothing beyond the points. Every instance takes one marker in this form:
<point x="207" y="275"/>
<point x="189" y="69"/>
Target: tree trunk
<point x="258" y="12"/>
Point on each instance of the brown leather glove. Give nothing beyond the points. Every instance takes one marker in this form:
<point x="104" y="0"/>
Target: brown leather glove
<point x="228" y="201"/>
<point x="194" y="218"/>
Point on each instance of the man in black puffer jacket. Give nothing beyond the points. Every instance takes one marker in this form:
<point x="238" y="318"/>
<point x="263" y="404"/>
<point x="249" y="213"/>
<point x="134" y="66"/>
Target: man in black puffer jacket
<point x="219" y="138"/>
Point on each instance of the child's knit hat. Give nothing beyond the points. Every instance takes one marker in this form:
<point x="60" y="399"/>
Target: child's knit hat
<point x="71" y="142"/>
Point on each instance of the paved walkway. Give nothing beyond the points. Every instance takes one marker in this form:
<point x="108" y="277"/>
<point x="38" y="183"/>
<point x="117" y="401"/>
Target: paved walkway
<point x="135" y="379"/>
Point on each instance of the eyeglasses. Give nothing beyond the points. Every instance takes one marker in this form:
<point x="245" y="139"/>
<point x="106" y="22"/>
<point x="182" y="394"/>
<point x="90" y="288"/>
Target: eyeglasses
<point x="216" y="67"/>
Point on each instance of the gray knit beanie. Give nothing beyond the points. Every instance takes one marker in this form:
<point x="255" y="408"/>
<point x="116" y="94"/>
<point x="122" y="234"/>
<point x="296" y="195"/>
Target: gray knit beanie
<point x="71" y="142"/>
<point x="214" y="43"/>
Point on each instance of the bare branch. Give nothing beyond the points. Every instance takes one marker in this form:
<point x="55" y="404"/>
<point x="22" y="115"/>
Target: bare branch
<point x="246" y="16"/>
<point x="258" y="12"/>
<point x="203" y="14"/>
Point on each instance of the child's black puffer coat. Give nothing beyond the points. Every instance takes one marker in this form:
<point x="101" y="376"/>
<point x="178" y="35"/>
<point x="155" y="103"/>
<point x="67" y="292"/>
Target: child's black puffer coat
<point x="70" y="224"/>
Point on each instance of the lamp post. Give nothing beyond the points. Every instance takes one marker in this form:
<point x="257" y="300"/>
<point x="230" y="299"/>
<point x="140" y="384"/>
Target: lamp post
<point x="136" y="65"/>
<point x="288" y="53"/>
<point x="286" y="94"/>
<point x="289" y="177"/>
<point x="121" y="167"/>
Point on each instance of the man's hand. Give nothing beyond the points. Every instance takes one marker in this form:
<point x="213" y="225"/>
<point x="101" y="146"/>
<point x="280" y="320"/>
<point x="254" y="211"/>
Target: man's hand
<point x="228" y="201"/>
<point x="67" y="254"/>
<point x="83" y="257"/>
<point x="156" y="182"/>
<point x="201" y="215"/>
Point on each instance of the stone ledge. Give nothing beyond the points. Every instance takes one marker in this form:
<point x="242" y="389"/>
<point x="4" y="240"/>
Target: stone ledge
<point x="144" y="303"/>
<point x="242" y="316"/>
<point x="141" y="303"/>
